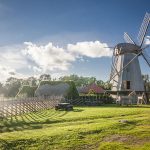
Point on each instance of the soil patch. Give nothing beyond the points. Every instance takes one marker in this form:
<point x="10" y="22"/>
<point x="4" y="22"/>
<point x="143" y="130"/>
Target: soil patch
<point x="128" y="139"/>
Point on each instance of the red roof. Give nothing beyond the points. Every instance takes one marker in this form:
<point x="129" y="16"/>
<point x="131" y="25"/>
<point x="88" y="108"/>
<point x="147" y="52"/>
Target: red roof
<point x="97" y="89"/>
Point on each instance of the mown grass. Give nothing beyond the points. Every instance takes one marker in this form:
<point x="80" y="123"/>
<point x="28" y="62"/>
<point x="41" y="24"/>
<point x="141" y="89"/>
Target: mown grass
<point x="91" y="128"/>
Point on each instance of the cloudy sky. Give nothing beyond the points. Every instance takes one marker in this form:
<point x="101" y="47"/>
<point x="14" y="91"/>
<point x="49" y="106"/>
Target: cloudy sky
<point x="62" y="37"/>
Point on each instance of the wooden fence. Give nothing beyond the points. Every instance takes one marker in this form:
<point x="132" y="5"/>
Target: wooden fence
<point x="12" y="107"/>
<point x="94" y="100"/>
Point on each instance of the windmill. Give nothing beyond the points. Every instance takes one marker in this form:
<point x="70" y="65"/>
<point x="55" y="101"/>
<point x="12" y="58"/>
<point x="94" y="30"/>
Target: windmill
<point x="126" y="74"/>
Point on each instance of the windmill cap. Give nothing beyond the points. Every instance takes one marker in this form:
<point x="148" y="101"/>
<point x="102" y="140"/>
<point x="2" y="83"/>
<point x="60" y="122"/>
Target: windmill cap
<point x="123" y="48"/>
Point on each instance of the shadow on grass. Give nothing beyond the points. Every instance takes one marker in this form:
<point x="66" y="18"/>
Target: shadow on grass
<point x="30" y="121"/>
<point x="37" y="120"/>
<point x="17" y="144"/>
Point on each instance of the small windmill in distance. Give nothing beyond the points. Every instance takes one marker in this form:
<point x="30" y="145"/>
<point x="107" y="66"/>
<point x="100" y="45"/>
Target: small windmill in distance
<point x="126" y="77"/>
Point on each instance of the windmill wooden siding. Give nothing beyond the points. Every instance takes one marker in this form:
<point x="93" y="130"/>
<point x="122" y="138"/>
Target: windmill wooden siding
<point x="132" y="73"/>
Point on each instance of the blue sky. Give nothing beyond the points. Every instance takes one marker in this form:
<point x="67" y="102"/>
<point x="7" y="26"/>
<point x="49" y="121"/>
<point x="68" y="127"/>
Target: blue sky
<point x="71" y="26"/>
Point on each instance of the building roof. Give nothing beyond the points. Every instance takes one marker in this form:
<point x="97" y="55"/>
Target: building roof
<point x="57" y="88"/>
<point x="86" y="89"/>
<point x="60" y="89"/>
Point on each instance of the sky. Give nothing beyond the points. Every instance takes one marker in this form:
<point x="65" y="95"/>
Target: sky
<point x="63" y="37"/>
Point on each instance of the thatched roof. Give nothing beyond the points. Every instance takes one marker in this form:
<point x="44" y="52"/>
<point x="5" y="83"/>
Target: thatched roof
<point x="56" y="88"/>
<point x="52" y="90"/>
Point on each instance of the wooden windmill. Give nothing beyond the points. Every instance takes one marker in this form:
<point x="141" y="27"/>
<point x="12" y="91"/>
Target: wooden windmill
<point x="126" y="74"/>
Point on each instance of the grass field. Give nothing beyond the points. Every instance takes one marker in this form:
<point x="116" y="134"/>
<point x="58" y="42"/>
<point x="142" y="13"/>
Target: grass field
<point x="90" y="128"/>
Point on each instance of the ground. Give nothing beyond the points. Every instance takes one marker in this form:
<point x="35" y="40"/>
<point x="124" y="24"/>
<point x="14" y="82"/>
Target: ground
<point x="91" y="128"/>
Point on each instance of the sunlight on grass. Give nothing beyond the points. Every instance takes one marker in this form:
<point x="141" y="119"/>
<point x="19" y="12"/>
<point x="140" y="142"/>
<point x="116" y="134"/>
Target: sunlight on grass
<point x="84" y="128"/>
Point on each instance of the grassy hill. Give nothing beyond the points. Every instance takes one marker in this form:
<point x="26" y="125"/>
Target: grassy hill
<point x="91" y="128"/>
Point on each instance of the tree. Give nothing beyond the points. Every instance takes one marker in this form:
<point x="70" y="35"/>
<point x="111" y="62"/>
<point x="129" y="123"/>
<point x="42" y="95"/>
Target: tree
<point x="78" y="80"/>
<point x="32" y="81"/>
<point x="45" y="77"/>
<point x="146" y="80"/>
<point x="2" y="90"/>
<point x="107" y="85"/>
<point x="12" y="87"/>
<point x="101" y="83"/>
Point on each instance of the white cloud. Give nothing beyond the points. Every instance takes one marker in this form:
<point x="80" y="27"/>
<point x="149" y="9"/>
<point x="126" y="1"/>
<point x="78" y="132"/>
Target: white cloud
<point x="90" y="49"/>
<point x="11" y="61"/>
<point x="6" y="72"/>
<point x="11" y="56"/>
<point x="36" y="69"/>
<point x="48" y="57"/>
<point x="35" y="59"/>
<point x="147" y="40"/>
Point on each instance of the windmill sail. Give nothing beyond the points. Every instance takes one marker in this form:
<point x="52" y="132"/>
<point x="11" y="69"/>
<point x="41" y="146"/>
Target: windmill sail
<point x="146" y="57"/>
<point x="128" y="39"/>
<point x="114" y="68"/>
<point x="143" y="29"/>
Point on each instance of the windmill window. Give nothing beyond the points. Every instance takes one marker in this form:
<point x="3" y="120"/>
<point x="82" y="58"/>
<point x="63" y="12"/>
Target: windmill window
<point x="127" y="84"/>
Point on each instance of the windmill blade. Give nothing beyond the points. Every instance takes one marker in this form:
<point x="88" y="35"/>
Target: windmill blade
<point x="128" y="39"/>
<point x="113" y="66"/>
<point x="109" y="47"/>
<point x="112" y="69"/>
<point x="143" y="29"/>
<point x="126" y="65"/>
<point x="146" y="57"/>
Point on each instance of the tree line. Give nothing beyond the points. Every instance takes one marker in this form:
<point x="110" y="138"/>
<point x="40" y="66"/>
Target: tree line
<point x="12" y="85"/>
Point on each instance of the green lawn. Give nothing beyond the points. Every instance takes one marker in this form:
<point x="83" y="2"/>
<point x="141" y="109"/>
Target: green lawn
<point x="90" y="128"/>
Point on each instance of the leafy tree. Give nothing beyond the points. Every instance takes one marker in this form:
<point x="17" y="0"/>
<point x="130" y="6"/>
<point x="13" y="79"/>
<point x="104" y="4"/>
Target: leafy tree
<point x="84" y="81"/>
<point x="45" y="77"/>
<point x="101" y="83"/>
<point x="78" y="80"/>
<point x="2" y="89"/>
<point x="12" y="87"/>
<point x="146" y="80"/>
<point x="92" y="80"/>
<point x="32" y="81"/>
